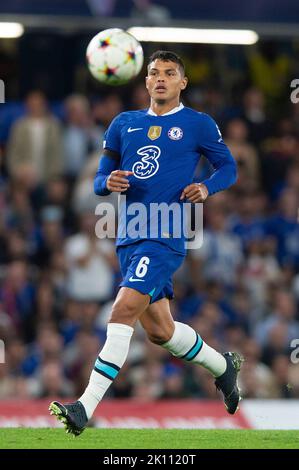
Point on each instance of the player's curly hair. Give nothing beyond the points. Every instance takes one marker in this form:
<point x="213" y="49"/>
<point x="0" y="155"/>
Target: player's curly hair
<point x="166" y="56"/>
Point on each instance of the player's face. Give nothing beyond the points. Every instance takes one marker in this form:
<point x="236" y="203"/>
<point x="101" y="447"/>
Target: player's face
<point x="165" y="81"/>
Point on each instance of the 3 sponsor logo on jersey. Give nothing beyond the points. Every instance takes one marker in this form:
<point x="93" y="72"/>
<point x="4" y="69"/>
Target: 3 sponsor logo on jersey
<point x="148" y="164"/>
<point x="175" y="133"/>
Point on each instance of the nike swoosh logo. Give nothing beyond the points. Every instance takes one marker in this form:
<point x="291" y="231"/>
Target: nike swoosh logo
<point x="135" y="129"/>
<point x="132" y="279"/>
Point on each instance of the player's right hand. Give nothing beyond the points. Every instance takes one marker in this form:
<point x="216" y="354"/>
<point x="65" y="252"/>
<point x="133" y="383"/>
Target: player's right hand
<point x="116" y="182"/>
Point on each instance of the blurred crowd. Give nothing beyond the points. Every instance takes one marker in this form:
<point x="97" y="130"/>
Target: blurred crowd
<point x="240" y="290"/>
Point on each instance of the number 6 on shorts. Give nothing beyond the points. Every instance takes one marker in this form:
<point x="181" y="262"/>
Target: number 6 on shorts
<point x="141" y="269"/>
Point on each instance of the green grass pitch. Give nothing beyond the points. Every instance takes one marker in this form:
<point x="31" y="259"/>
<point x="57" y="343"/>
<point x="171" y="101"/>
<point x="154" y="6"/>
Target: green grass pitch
<point x="53" y="438"/>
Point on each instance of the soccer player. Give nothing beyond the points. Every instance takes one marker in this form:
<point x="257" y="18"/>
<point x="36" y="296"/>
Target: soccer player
<point x="150" y="156"/>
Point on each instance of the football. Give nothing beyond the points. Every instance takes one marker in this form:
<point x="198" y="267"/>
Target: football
<point x="114" y="57"/>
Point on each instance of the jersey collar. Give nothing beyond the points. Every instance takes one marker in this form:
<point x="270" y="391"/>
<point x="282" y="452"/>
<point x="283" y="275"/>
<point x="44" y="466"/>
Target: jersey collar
<point x="172" y="111"/>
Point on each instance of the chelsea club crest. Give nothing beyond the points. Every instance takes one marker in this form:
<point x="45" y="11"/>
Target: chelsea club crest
<point x="175" y="133"/>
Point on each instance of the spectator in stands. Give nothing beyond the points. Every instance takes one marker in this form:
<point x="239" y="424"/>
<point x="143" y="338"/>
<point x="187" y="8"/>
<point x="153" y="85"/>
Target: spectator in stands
<point x="279" y="328"/>
<point x="282" y="373"/>
<point x="18" y="296"/>
<point x="236" y="136"/>
<point x="78" y="355"/>
<point x="80" y="136"/>
<point x="19" y="213"/>
<point x="220" y="255"/>
<point x="91" y="263"/>
<point x="49" y="236"/>
<point x="52" y="382"/>
<point x="248" y="221"/>
<point x="284" y="227"/>
<point x="17" y="248"/>
<point x="260" y="268"/>
<point x="12" y="386"/>
<point x="84" y="198"/>
<point x="280" y="152"/>
<point x="35" y="142"/>
<point x="46" y="347"/>
<point x="104" y="111"/>
<point x="254" y="113"/>
<point x="256" y="379"/>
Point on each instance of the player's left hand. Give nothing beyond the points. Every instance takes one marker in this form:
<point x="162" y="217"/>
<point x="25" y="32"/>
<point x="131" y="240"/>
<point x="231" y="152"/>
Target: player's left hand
<point x="195" y="192"/>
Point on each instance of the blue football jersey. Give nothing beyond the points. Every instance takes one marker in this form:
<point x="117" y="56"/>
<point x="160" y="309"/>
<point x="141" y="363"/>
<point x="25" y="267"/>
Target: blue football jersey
<point x="162" y="152"/>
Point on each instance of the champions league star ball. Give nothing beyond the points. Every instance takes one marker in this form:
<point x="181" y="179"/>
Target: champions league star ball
<point x="114" y="57"/>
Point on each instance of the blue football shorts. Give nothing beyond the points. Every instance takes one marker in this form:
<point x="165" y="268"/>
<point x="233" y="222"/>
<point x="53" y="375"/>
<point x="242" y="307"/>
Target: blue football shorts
<point x="148" y="266"/>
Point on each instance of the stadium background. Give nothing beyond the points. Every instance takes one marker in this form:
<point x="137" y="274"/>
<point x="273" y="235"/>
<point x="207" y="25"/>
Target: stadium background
<point x="57" y="281"/>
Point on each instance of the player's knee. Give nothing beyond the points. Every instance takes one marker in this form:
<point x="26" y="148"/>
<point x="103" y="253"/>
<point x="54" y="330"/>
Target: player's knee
<point x="123" y="312"/>
<point x="158" y="336"/>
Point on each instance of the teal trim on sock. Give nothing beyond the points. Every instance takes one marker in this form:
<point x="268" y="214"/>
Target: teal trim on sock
<point x="110" y="371"/>
<point x="194" y="350"/>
